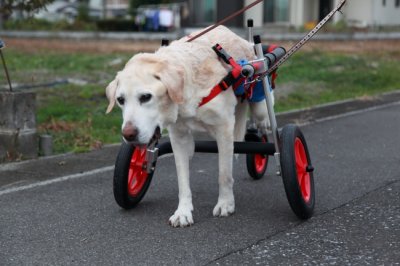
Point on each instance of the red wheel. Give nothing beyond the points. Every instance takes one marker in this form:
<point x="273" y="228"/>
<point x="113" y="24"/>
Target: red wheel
<point x="303" y="177"/>
<point x="131" y="180"/>
<point x="257" y="163"/>
<point x="137" y="174"/>
<point x="297" y="172"/>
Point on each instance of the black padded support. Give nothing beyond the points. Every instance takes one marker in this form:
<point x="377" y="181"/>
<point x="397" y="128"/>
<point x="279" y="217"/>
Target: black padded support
<point x="211" y="147"/>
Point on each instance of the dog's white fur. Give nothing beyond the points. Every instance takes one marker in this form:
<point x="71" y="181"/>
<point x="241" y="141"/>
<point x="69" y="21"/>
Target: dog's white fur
<point x="178" y="77"/>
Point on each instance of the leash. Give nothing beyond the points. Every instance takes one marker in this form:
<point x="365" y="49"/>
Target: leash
<point x="306" y="38"/>
<point x="229" y="80"/>
<point x="224" y="20"/>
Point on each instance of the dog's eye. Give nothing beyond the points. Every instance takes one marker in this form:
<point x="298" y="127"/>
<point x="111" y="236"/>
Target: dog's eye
<point x="121" y="100"/>
<point x="144" y="98"/>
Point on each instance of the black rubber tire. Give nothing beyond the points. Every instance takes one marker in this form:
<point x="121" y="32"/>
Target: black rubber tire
<point x="120" y="181"/>
<point x="302" y="208"/>
<point x="251" y="159"/>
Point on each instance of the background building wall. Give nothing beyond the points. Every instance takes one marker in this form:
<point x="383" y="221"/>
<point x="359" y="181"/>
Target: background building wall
<point x="359" y="12"/>
<point x="311" y="11"/>
<point x="362" y="13"/>
<point x="387" y="15"/>
<point x="296" y="12"/>
<point x="255" y="13"/>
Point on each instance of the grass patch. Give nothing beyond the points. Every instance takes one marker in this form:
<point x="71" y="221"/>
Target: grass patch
<point x="76" y="119"/>
<point x="42" y="24"/>
<point x="75" y="115"/>
<point x="326" y="77"/>
<point x="47" y="66"/>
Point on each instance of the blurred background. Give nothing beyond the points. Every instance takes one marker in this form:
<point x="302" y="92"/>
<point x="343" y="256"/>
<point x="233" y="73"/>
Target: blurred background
<point x="66" y="52"/>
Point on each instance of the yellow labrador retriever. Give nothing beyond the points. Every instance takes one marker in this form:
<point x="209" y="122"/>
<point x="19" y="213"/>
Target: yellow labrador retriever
<point x="164" y="89"/>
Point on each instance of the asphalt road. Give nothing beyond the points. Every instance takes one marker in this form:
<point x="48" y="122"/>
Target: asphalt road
<point x="53" y="217"/>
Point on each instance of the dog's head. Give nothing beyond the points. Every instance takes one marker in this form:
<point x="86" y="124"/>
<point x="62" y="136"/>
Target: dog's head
<point x="148" y="91"/>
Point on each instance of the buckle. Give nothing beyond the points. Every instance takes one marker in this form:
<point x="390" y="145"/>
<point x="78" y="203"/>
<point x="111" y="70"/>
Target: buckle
<point x="221" y="53"/>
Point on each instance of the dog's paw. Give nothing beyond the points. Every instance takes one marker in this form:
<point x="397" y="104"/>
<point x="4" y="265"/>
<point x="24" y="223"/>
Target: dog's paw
<point x="224" y="208"/>
<point x="181" y="218"/>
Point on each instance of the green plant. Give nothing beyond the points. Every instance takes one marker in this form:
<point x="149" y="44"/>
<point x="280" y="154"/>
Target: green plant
<point x="41" y="24"/>
<point x="8" y="6"/>
<point x="75" y="114"/>
<point x="83" y="12"/>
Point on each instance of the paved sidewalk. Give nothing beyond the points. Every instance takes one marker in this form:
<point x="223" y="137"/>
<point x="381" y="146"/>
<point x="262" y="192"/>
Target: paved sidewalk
<point x="365" y="231"/>
<point x="71" y="218"/>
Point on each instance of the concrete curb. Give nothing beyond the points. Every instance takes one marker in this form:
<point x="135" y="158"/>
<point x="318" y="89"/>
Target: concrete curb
<point x="78" y="35"/>
<point x="351" y="36"/>
<point x="153" y="36"/>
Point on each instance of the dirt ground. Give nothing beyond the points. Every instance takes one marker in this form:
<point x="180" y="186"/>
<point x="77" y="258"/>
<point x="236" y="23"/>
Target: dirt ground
<point x="112" y="46"/>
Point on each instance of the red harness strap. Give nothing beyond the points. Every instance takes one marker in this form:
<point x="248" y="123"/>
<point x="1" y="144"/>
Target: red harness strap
<point x="228" y="80"/>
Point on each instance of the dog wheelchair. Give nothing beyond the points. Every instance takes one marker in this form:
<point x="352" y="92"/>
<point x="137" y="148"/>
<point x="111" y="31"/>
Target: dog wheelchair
<point x="135" y="165"/>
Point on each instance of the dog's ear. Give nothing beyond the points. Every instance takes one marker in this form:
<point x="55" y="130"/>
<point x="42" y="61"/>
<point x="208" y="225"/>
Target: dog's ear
<point x="110" y="92"/>
<point x="172" y="76"/>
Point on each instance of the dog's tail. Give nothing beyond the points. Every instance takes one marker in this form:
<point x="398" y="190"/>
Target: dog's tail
<point x="240" y="122"/>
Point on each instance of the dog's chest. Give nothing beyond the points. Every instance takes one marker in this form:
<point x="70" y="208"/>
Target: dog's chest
<point x="192" y="124"/>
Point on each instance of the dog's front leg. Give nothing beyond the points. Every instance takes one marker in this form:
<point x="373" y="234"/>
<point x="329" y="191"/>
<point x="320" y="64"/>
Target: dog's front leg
<point x="183" y="147"/>
<point x="226" y="202"/>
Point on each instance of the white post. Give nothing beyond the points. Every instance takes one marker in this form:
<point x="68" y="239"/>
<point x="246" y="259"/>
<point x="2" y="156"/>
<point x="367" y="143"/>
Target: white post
<point x="256" y="13"/>
<point x="338" y="16"/>
<point x="296" y="13"/>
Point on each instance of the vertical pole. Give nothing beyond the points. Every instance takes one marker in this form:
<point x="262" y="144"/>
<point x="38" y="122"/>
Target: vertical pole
<point x="164" y="42"/>
<point x="46" y="144"/>
<point x="6" y="70"/>
<point x="250" y="37"/>
<point x="1" y="15"/>
<point x="271" y="111"/>
<point x="250" y="25"/>
<point x="104" y="8"/>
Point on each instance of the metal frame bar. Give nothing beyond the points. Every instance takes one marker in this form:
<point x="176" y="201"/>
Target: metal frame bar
<point x="270" y="107"/>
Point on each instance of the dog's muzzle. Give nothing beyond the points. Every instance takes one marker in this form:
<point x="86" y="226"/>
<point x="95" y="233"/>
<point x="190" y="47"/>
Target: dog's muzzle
<point x="133" y="138"/>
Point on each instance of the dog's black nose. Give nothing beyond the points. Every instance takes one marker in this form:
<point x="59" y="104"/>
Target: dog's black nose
<point x="130" y="132"/>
